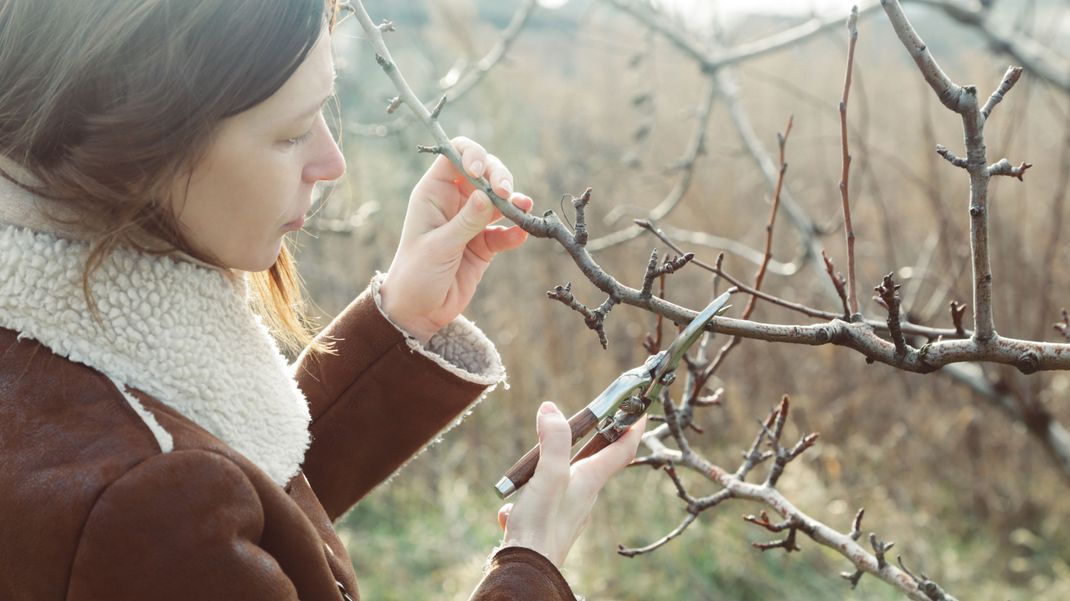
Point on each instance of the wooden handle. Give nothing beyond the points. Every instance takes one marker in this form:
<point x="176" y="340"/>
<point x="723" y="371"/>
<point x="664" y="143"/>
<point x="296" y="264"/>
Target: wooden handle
<point x="524" y="469"/>
<point x="598" y="442"/>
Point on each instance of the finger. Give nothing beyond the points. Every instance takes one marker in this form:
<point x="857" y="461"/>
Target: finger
<point x="503" y="515"/>
<point x="470" y="220"/>
<point x="498" y="239"/>
<point x="590" y="474"/>
<point x="499" y="176"/>
<point x="473" y="155"/>
<point x="522" y="202"/>
<point x="555" y="446"/>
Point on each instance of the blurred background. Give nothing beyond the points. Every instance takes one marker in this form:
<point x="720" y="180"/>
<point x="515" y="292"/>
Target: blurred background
<point x="586" y="96"/>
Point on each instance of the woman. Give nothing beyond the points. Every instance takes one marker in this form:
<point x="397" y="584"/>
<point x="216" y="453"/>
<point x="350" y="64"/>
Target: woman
<point x="154" y="441"/>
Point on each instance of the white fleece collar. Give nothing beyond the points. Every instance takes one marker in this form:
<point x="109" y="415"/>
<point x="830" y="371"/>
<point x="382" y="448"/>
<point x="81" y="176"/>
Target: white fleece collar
<point x="178" y="331"/>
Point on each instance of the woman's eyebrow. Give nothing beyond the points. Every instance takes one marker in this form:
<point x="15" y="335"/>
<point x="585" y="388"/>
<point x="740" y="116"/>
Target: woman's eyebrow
<point x="320" y="106"/>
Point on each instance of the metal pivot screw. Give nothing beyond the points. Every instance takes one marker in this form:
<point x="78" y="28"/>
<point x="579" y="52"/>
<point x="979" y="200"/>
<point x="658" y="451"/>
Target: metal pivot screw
<point x="632" y="406"/>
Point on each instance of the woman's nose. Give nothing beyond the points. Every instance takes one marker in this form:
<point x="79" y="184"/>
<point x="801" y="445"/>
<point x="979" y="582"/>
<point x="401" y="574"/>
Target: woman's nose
<point x="327" y="163"/>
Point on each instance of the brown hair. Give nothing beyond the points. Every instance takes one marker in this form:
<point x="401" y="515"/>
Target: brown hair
<point x="106" y="102"/>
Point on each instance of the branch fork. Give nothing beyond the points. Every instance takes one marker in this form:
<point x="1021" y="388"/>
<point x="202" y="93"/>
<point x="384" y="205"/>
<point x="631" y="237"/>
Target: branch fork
<point x="595" y="319"/>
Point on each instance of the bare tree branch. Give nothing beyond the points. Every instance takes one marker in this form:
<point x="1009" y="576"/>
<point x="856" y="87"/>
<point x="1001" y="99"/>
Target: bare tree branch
<point x="595" y="319"/>
<point x="962" y="100"/>
<point x="982" y="345"/>
<point x="794" y="521"/>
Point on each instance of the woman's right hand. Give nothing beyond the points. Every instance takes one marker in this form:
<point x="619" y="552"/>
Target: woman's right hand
<point x="555" y="505"/>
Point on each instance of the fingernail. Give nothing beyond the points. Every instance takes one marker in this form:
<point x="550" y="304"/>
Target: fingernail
<point x="507" y="186"/>
<point x="547" y="407"/>
<point x="476" y="169"/>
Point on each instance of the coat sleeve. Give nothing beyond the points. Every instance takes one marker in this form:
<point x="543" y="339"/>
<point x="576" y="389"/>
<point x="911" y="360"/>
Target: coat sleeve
<point x="178" y="526"/>
<point x="522" y="574"/>
<point x="381" y="396"/>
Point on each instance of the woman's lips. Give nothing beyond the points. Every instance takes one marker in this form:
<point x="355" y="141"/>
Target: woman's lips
<point x="295" y="225"/>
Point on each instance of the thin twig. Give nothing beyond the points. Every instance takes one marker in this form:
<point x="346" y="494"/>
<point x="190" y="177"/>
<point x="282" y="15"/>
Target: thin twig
<point x="1004" y="167"/>
<point x="633" y="551"/>
<point x="759" y="277"/>
<point x="1009" y="79"/>
<point x="888" y="297"/>
<point x="950" y="156"/>
<point x="1063" y="327"/>
<point x="849" y="232"/>
<point x="580" y="205"/>
<point x="838" y="282"/>
<point x="957" y="311"/>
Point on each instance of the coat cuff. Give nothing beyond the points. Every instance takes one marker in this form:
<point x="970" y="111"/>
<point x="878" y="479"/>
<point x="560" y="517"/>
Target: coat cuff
<point x="460" y="347"/>
<point x="522" y="574"/>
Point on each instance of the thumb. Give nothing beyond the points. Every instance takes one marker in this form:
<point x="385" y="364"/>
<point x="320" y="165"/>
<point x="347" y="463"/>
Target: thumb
<point x="474" y="216"/>
<point x="503" y="514"/>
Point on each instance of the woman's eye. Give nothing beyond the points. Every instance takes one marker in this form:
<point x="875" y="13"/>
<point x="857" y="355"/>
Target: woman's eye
<point x="305" y="136"/>
<point x="299" y="139"/>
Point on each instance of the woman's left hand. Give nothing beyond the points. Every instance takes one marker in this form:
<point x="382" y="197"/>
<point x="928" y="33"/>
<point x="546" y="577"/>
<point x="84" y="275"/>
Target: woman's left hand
<point x="447" y="241"/>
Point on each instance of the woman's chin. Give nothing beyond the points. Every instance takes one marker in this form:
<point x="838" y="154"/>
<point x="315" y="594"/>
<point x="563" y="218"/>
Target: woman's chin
<point x="260" y="261"/>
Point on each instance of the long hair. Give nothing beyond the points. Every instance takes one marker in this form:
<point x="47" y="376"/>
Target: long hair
<point x="107" y="102"/>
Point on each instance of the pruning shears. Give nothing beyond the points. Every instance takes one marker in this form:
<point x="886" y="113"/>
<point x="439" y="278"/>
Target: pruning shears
<point x="622" y="403"/>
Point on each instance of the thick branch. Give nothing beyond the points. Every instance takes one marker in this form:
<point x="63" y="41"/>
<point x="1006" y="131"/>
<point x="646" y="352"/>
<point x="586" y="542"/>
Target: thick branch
<point x="962" y="100"/>
<point x="950" y="94"/>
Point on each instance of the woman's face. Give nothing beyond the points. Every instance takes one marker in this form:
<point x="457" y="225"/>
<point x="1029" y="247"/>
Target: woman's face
<point x="255" y="182"/>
